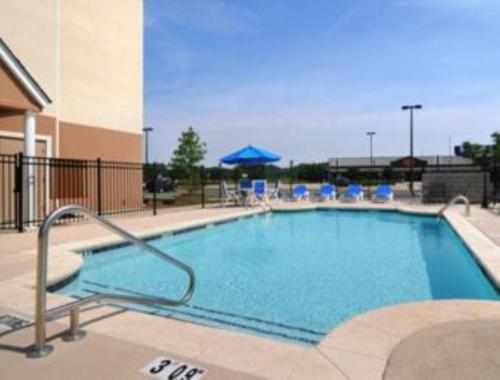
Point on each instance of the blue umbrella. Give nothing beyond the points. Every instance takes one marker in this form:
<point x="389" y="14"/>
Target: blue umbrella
<point x="250" y="155"/>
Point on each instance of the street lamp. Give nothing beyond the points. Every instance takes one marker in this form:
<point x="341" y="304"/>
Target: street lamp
<point x="146" y="135"/>
<point x="371" y="134"/>
<point x="411" y="108"/>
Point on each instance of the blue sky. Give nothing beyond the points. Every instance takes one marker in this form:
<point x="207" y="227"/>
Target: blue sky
<point x="308" y="78"/>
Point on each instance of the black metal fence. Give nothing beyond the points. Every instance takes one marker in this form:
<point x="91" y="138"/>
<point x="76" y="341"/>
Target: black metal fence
<point x="8" y="191"/>
<point x="32" y="187"/>
<point x="399" y="173"/>
<point x="430" y="183"/>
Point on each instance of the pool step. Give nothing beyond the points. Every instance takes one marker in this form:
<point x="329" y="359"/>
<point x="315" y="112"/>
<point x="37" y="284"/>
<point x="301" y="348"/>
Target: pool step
<point x="212" y="317"/>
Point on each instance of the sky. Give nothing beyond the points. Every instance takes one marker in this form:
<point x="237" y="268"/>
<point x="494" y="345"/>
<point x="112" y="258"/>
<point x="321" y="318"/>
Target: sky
<point x="308" y="78"/>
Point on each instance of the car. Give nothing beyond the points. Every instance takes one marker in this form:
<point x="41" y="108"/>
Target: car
<point x="164" y="184"/>
<point x="342" y="181"/>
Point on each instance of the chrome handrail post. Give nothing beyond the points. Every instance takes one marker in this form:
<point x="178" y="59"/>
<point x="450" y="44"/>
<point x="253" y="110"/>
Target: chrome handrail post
<point x="453" y="201"/>
<point x="40" y="348"/>
<point x="74" y="333"/>
<point x="41" y="292"/>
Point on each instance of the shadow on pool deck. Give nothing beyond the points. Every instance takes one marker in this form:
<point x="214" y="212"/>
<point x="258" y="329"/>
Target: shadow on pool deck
<point x="96" y="357"/>
<point x="450" y="351"/>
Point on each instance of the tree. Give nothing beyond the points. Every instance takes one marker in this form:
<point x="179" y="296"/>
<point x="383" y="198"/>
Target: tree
<point x="313" y="172"/>
<point x="496" y="145"/>
<point x="478" y="151"/>
<point x="189" y="153"/>
<point x="473" y="150"/>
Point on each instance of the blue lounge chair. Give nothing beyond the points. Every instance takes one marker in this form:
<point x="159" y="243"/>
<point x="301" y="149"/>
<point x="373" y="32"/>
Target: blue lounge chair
<point x="327" y="192"/>
<point x="259" y="191"/>
<point x="245" y="191"/>
<point x="384" y="193"/>
<point x="300" y="192"/>
<point x="245" y="184"/>
<point x="354" y="193"/>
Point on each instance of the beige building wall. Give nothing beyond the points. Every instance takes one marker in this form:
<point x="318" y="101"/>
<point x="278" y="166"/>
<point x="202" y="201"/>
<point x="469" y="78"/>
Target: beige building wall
<point x="101" y="63"/>
<point x="87" y="56"/>
<point x="29" y="27"/>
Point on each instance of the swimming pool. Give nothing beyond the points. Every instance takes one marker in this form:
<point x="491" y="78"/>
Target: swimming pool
<point x="294" y="275"/>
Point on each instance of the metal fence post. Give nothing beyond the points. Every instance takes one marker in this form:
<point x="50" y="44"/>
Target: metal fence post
<point x="19" y="192"/>
<point x="337" y="174"/>
<point x="155" y="181"/>
<point x="202" y="175"/>
<point x="220" y="182"/>
<point x="291" y="178"/>
<point x="484" y="200"/>
<point x="494" y="180"/>
<point x="99" y="194"/>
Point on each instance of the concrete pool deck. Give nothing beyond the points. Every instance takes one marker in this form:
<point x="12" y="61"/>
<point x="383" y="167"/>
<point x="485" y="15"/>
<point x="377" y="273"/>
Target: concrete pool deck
<point x="453" y="350"/>
<point x="357" y="349"/>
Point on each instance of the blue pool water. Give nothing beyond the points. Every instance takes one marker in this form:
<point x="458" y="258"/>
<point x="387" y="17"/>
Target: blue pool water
<point x="294" y="275"/>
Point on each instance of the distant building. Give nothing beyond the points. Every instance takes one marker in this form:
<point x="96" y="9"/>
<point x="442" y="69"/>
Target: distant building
<point x="363" y="164"/>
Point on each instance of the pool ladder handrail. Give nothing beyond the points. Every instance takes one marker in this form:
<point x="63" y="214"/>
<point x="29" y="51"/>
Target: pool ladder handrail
<point x="453" y="201"/>
<point x="40" y="348"/>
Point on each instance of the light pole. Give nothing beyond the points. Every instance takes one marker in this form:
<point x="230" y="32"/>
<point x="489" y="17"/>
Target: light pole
<point x="146" y="136"/>
<point x="411" y="108"/>
<point x="371" y="134"/>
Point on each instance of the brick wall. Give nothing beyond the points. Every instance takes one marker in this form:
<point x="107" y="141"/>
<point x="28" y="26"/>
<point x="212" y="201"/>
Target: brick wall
<point x="440" y="187"/>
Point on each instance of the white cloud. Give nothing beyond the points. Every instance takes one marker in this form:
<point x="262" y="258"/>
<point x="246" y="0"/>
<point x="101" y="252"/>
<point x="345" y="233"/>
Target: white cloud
<point x="449" y="4"/>
<point x="177" y="54"/>
<point x="317" y="114"/>
<point x="314" y="131"/>
<point x="220" y="17"/>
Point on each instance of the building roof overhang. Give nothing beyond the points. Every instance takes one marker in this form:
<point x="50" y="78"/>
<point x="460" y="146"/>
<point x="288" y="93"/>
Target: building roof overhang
<point x="25" y="79"/>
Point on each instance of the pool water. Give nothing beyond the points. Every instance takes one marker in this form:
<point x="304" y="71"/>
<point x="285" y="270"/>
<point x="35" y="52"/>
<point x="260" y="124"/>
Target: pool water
<point x="294" y="275"/>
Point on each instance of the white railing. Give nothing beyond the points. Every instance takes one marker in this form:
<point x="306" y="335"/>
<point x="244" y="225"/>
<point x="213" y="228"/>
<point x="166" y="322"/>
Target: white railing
<point x="453" y="201"/>
<point x="40" y="348"/>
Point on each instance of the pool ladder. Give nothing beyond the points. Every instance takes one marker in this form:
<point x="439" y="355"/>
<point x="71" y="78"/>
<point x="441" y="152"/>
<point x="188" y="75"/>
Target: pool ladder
<point x="42" y="315"/>
<point x="453" y="201"/>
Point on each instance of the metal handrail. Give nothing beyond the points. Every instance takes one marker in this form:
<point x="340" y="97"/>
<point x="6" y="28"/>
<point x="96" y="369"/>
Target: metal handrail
<point x="40" y="348"/>
<point x="454" y="200"/>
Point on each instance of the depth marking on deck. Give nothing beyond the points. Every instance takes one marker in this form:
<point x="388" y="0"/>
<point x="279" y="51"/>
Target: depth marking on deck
<point x="170" y="369"/>
<point x="12" y="321"/>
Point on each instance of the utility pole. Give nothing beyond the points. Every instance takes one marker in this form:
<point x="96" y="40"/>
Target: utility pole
<point x="411" y="108"/>
<point x="146" y="137"/>
<point x="371" y="134"/>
